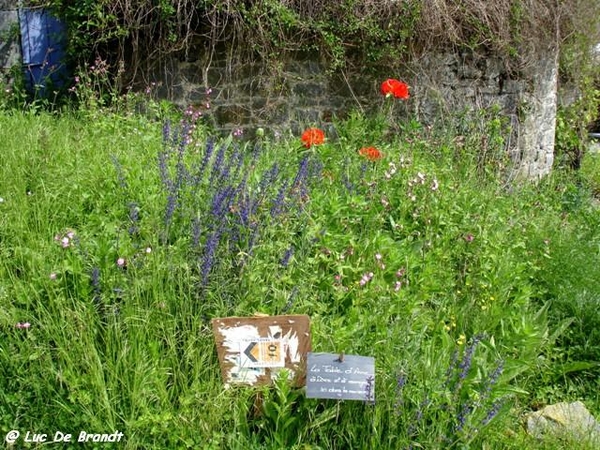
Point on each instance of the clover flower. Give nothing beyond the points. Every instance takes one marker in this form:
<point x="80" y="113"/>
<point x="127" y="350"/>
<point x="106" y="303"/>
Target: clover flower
<point x="389" y="173"/>
<point x="23" y="325"/>
<point x="366" y="278"/>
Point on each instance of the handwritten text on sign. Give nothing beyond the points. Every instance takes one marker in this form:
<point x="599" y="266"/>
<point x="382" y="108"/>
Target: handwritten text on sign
<point x="351" y="378"/>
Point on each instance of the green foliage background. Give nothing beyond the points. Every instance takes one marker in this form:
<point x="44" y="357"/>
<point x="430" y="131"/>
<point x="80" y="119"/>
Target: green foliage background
<point x="135" y="352"/>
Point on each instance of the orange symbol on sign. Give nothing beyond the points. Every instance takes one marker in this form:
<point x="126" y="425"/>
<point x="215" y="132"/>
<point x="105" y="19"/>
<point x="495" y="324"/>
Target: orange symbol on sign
<point x="264" y="354"/>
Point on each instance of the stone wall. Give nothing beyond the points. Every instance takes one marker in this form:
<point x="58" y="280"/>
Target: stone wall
<point x="454" y="82"/>
<point x="298" y="91"/>
<point x="294" y="93"/>
<point x="10" y="53"/>
<point x="535" y="145"/>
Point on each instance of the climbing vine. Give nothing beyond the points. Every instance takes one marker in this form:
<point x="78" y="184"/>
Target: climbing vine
<point x="378" y="30"/>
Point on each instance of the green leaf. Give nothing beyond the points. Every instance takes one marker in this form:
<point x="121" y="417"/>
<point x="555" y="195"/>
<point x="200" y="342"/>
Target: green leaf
<point x="576" y="366"/>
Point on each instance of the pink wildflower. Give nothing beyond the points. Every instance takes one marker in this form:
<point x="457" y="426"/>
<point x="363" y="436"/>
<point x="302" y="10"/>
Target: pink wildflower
<point x="366" y="278"/>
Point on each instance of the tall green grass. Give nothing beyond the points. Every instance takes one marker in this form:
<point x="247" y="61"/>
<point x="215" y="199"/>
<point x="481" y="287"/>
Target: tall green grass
<point x="480" y="296"/>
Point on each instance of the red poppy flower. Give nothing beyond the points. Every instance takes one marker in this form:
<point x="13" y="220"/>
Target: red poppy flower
<point x="312" y="136"/>
<point x="396" y="88"/>
<point x="371" y="153"/>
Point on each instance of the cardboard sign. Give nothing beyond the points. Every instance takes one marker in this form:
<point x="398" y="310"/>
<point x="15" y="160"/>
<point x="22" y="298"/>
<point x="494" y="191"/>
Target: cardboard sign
<point x="342" y="377"/>
<point x="252" y="350"/>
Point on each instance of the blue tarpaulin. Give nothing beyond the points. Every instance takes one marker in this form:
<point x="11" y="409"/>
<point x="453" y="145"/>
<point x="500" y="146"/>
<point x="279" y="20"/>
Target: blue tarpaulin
<point x="43" y="50"/>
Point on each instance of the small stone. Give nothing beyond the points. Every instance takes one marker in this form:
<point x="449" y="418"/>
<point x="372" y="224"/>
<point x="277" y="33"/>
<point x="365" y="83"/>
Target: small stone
<point x="565" y="419"/>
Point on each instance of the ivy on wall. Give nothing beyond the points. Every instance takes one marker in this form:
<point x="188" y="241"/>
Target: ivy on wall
<point x="373" y="30"/>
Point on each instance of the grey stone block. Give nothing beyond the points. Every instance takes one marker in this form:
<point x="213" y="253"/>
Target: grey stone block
<point x="10" y="54"/>
<point x="571" y="420"/>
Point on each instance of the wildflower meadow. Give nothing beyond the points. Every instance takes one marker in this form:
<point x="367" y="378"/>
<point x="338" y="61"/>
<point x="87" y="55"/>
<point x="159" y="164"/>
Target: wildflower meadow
<point x="123" y="233"/>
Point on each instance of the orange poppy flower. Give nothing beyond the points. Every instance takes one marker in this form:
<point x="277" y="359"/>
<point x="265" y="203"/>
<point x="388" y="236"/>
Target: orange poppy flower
<point x="371" y="153"/>
<point x="396" y="88"/>
<point x="312" y="136"/>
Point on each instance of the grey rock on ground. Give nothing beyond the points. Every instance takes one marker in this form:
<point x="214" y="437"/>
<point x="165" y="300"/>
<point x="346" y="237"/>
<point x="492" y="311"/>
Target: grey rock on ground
<point x="564" y="419"/>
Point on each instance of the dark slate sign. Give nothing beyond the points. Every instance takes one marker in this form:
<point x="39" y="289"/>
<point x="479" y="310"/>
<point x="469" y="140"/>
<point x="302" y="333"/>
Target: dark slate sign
<point x="342" y="377"/>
